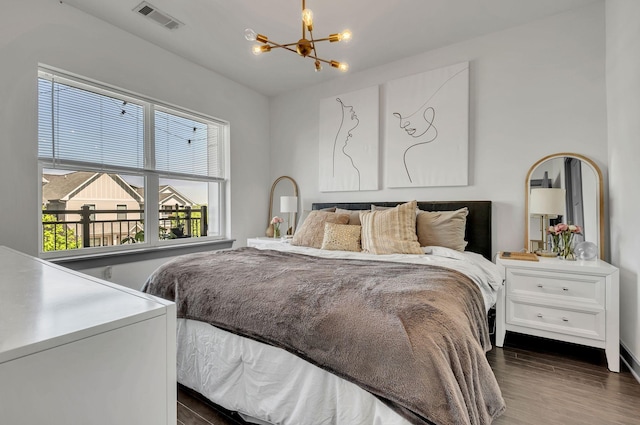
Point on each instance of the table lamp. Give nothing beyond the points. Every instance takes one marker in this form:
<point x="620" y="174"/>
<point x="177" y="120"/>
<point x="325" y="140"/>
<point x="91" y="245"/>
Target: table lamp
<point x="546" y="202"/>
<point x="289" y="204"/>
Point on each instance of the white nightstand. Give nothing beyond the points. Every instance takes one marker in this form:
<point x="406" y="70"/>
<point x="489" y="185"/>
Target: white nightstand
<point x="572" y="301"/>
<point x="264" y="242"/>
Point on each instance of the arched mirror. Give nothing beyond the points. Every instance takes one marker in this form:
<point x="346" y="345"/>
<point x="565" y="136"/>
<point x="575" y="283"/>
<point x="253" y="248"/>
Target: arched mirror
<point x="577" y="199"/>
<point x="286" y="202"/>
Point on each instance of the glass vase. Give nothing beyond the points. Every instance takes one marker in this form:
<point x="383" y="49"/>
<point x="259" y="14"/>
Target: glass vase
<point x="567" y="250"/>
<point x="555" y="244"/>
<point x="276" y="232"/>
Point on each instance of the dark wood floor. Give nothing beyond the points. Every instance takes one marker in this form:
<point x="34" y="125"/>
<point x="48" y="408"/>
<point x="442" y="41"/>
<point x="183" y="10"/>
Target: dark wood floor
<point x="542" y="382"/>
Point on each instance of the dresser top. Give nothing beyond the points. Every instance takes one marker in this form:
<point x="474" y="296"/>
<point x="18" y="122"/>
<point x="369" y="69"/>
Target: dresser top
<point x="43" y="305"/>
<point x="596" y="266"/>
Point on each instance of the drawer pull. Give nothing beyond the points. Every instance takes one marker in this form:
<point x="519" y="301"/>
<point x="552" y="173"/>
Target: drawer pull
<point x="564" y="319"/>
<point x="564" y="288"/>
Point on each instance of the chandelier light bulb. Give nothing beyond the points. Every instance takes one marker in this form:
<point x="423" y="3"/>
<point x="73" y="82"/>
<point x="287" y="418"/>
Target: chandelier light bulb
<point x="307" y="18"/>
<point x="250" y="34"/>
<point x="340" y="65"/>
<point x="260" y="48"/>
<point x="318" y="66"/>
<point x="345" y="36"/>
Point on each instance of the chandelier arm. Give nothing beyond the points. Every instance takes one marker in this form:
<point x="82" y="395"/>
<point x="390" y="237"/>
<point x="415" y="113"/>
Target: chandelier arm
<point x="282" y="45"/>
<point x="313" y="43"/>
<point x="318" y="59"/>
<point x="319" y="40"/>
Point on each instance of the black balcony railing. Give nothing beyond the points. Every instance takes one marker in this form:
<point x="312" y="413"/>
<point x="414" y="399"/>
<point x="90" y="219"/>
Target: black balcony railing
<point x="73" y="229"/>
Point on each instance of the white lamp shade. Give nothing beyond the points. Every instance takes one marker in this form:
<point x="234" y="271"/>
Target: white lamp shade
<point x="547" y="201"/>
<point x="288" y="204"/>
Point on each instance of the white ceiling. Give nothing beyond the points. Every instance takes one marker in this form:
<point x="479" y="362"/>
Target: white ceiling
<point x="383" y="31"/>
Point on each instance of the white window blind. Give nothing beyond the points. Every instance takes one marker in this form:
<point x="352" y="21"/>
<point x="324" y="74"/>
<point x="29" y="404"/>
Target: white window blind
<point x="102" y="129"/>
<point x="78" y="125"/>
<point x="186" y="145"/>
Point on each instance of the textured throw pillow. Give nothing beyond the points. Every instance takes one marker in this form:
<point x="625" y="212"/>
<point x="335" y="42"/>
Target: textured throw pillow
<point x="311" y="233"/>
<point x="391" y="231"/>
<point x="354" y="215"/>
<point x="341" y="237"/>
<point x="442" y="228"/>
<point x="305" y="213"/>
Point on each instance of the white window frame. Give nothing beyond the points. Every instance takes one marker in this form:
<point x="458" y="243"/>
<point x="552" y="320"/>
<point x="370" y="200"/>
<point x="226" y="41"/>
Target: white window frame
<point x="151" y="176"/>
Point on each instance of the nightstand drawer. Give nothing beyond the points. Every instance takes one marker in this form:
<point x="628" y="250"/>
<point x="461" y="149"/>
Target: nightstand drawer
<point x="558" y="287"/>
<point x="586" y="324"/>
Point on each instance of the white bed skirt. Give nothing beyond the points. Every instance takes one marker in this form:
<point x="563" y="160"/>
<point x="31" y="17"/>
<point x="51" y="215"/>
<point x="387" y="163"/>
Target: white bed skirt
<point x="268" y="385"/>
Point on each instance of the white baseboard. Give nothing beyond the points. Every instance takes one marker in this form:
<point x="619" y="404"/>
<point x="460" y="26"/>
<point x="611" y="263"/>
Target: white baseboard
<point x="629" y="359"/>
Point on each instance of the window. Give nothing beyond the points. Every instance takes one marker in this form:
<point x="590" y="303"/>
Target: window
<point x="121" y="216"/>
<point x="110" y="152"/>
<point x="92" y="207"/>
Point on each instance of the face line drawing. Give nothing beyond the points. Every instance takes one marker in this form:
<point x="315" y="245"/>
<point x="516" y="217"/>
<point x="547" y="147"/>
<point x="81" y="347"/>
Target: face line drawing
<point x="354" y="118"/>
<point x="428" y="115"/>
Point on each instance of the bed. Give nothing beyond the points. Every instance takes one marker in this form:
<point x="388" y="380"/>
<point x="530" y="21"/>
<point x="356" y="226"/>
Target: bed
<point x="302" y="335"/>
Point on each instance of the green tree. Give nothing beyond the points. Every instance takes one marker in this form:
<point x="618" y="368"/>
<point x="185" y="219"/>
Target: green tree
<point x="56" y="236"/>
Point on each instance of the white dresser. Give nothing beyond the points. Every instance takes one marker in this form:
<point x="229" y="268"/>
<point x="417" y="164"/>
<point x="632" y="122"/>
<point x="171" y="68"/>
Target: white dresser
<point x="78" y="350"/>
<point x="572" y="301"/>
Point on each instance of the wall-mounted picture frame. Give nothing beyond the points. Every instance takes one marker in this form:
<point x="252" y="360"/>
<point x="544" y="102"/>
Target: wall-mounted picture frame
<point x="349" y="141"/>
<point x="427" y="128"/>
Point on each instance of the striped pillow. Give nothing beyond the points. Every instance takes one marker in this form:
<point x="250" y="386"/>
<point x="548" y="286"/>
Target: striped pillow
<point x="391" y="231"/>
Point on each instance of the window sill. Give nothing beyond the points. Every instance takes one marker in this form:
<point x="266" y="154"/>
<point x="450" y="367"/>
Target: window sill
<point x="79" y="262"/>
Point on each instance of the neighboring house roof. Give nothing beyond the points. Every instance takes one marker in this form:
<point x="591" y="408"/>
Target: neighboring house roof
<point x="62" y="187"/>
<point x="168" y="193"/>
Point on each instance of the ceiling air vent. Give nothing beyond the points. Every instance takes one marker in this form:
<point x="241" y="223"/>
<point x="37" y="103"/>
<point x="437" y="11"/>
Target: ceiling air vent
<point x="157" y="16"/>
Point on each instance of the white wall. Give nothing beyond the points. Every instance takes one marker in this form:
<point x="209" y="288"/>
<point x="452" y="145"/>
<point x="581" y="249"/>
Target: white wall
<point x="623" y="108"/>
<point x="132" y="275"/>
<point x="48" y="32"/>
<point x="535" y="90"/>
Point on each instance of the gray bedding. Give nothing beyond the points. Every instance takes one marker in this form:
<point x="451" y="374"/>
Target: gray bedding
<point x="413" y="335"/>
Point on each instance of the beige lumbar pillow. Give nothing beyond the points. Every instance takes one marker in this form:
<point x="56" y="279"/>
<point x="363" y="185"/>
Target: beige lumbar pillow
<point x="391" y="231"/>
<point x="442" y="228"/>
<point x="311" y="233"/>
<point x="341" y="237"/>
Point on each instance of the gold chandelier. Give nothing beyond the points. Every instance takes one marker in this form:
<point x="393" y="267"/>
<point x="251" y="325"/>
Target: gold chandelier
<point x="304" y="47"/>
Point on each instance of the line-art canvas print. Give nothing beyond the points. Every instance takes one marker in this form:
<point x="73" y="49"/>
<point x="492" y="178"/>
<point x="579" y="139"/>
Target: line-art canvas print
<point x="349" y="141"/>
<point x="427" y="128"/>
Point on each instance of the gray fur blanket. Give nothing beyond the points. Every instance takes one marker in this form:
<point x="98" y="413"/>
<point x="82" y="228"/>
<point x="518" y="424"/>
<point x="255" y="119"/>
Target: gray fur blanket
<point x="413" y="335"/>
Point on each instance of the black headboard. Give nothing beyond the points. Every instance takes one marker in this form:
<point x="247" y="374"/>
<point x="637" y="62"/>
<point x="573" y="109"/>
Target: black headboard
<point x="477" y="234"/>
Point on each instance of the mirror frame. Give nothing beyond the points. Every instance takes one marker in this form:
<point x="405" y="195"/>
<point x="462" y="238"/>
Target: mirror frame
<point x="269" y="231"/>
<point x="594" y="166"/>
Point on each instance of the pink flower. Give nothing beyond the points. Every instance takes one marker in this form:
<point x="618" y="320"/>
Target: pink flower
<point x="277" y="220"/>
<point x="561" y="227"/>
<point x="575" y="229"/>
